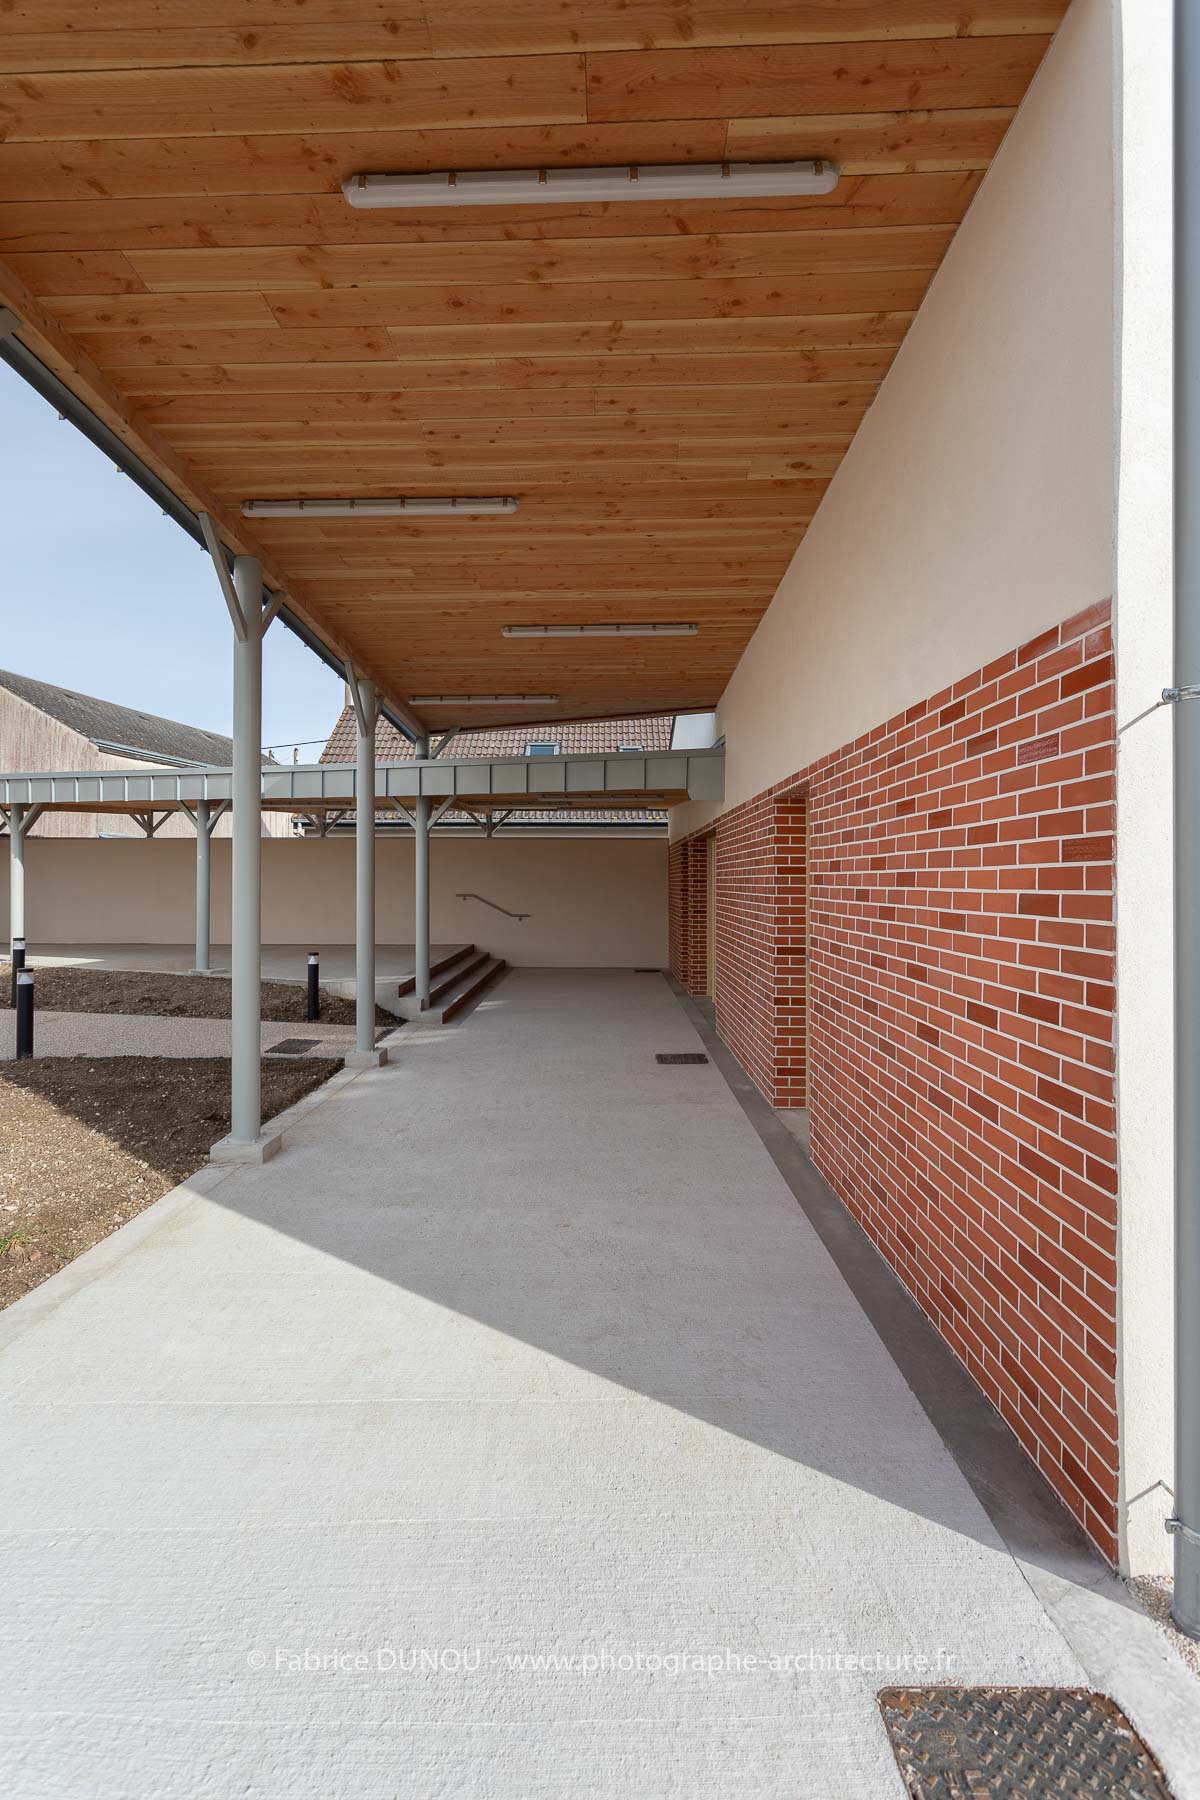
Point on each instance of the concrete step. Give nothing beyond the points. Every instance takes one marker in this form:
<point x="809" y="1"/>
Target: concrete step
<point x="456" y="976"/>
<point x="494" y="967"/>
<point x="436" y="967"/>
<point x="456" y="990"/>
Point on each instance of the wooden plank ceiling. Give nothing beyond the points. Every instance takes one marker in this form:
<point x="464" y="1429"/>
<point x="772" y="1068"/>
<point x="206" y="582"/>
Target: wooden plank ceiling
<point x="667" y="388"/>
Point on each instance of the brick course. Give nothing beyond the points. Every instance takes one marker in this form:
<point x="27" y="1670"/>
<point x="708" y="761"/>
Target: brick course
<point x="960" y="1019"/>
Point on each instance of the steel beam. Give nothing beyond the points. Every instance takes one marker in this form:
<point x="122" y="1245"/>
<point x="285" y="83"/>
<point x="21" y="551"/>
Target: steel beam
<point x="237" y="612"/>
<point x="653" y="779"/>
<point x="21" y="821"/>
<point x="366" y="708"/>
<point x="16" y="875"/>
<point x="246" y="1112"/>
<point x="246" y="1141"/>
<point x="203" y="888"/>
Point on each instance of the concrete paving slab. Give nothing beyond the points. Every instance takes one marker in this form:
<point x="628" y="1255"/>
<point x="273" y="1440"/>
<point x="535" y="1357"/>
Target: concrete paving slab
<point x="512" y="1435"/>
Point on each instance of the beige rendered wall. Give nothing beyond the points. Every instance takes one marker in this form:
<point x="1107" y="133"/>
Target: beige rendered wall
<point x="595" y="902"/>
<point x="974" y="507"/>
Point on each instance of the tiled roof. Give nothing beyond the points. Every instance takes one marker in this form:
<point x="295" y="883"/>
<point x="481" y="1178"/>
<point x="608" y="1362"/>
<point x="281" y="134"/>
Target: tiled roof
<point x="103" y="724"/>
<point x="592" y="735"/>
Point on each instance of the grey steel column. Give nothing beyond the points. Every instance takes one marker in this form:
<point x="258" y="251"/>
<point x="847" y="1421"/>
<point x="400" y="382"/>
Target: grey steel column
<point x="203" y="887"/>
<point x="246" y="1075"/>
<point x="1186" y="1523"/>
<point x="421" y="887"/>
<point x="16" y="875"/>
<point x="364" y="864"/>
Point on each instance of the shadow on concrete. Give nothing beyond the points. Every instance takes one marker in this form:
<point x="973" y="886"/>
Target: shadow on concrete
<point x="536" y="1172"/>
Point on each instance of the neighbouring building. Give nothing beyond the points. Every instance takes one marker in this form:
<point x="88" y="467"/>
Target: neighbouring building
<point x="602" y="737"/>
<point x="43" y="726"/>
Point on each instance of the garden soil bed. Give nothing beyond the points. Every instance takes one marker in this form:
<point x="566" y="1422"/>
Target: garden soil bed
<point x="80" y="990"/>
<point x="87" y="1142"/>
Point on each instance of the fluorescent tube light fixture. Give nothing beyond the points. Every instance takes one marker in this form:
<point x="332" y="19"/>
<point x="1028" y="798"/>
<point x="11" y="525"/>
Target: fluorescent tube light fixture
<point x="666" y="628"/>
<point x="483" y="699"/>
<point x="398" y="508"/>
<point x="627" y="181"/>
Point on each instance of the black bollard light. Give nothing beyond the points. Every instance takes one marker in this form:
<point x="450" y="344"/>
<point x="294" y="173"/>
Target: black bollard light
<point x="18" y="963"/>
<point x="24" y="1014"/>
<point x="314" y="986"/>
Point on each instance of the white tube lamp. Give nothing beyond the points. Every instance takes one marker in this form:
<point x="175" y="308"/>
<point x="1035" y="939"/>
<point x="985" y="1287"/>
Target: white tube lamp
<point x="628" y="181"/>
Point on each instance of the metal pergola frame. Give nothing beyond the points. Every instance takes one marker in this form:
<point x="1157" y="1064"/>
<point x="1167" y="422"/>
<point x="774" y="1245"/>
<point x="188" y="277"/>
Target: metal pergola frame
<point x="421" y="792"/>
<point x="657" y="778"/>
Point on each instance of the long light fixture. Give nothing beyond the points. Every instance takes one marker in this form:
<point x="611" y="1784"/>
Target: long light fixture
<point x="628" y="181"/>
<point x="666" y="628"/>
<point x="483" y="699"/>
<point x="400" y="507"/>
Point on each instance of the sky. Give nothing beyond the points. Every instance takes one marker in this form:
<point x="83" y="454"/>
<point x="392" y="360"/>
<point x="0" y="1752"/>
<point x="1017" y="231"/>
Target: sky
<point x="100" y="593"/>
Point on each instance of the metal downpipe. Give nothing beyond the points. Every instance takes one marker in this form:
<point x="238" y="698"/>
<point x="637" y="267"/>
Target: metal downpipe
<point x="1186" y="1523"/>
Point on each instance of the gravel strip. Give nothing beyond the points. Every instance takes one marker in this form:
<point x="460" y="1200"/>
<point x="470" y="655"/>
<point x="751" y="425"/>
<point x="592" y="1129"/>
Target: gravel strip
<point x="121" y="1034"/>
<point x="86" y="1143"/>
<point x="75" y="990"/>
<point x="1154" y="1593"/>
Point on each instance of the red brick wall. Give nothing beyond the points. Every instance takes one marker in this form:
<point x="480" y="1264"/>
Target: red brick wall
<point x="687" y="903"/>
<point x="761" y="929"/>
<point x="960" y="1021"/>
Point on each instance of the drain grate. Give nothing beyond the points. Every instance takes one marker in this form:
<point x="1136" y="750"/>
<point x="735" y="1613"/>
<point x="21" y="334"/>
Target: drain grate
<point x="647" y="971"/>
<point x="293" y="1046"/>
<point x="990" y="1743"/>
<point x="680" y="1056"/>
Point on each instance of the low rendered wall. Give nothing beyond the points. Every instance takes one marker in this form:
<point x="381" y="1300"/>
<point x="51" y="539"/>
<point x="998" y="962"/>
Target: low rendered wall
<point x="594" y="902"/>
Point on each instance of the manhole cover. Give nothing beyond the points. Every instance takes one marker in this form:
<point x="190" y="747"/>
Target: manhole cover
<point x="293" y="1046"/>
<point x="680" y="1056"/>
<point x="989" y="1743"/>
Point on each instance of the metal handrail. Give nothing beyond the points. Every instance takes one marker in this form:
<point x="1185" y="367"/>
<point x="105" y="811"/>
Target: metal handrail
<point x="500" y="909"/>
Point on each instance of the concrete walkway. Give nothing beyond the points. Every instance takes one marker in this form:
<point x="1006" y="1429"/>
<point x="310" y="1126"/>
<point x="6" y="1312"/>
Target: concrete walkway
<point x="512" y="1436"/>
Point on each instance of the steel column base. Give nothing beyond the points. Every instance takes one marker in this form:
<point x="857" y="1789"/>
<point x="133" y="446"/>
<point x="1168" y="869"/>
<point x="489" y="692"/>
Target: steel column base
<point x="365" y="1059"/>
<point x="263" y="1148"/>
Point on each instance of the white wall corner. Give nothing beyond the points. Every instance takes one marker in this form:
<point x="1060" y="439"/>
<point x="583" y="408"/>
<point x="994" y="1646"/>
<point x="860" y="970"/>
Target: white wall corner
<point x="1143" y="620"/>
